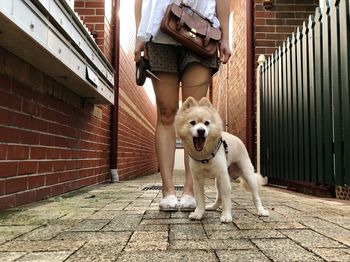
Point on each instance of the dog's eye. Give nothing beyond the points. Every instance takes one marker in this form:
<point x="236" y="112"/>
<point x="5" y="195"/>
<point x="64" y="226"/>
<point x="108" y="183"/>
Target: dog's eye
<point x="193" y="122"/>
<point x="207" y="123"/>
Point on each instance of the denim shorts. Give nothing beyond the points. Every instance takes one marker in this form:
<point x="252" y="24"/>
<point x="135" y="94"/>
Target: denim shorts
<point x="174" y="59"/>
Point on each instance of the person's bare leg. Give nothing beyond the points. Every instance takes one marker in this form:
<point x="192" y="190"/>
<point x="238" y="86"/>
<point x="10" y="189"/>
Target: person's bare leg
<point x="194" y="74"/>
<point x="167" y="98"/>
<point x="188" y="187"/>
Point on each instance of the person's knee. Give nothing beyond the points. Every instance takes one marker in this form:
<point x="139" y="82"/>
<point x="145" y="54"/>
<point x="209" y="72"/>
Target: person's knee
<point x="167" y="116"/>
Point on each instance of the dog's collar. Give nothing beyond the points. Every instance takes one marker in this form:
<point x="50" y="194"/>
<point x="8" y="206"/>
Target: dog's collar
<point x="212" y="155"/>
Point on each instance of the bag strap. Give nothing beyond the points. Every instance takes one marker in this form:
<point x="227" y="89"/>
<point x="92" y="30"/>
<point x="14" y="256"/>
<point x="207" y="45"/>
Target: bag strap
<point x="196" y="12"/>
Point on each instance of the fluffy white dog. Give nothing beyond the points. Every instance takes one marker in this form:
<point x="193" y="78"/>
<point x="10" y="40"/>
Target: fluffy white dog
<point x="214" y="154"/>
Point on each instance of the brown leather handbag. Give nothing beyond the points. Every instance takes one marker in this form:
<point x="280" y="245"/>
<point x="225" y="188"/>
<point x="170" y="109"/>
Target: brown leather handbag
<point x="191" y="29"/>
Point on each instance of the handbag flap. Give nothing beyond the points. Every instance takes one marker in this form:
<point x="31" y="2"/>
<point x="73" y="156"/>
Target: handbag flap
<point x="197" y="23"/>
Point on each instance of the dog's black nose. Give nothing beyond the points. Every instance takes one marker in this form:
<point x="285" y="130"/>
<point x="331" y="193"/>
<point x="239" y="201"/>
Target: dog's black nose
<point x="200" y="132"/>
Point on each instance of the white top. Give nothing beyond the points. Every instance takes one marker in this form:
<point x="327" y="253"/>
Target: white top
<point x="153" y="12"/>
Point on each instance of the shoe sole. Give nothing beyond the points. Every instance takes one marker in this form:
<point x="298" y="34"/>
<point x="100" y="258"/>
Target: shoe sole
<point x="187" y="209"/>
<point x="169" y="209"/>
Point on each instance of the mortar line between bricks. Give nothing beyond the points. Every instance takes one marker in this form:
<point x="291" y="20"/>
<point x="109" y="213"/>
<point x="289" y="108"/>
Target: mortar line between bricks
<point x="216" y="255"/>
<point x="333" y="223"/>
<point x="309" y="228"/>
<point x="168" y="244"/>
<point x="299" y="244"/>
<point x="257" y="247"/>
<point x="39" y="226"/>
<point x="75" y="251"/>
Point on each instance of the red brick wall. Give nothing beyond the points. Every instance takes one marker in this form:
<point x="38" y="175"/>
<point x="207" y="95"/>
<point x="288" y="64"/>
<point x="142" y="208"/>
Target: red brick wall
<point x="273" y="26"/>
<point x="233" y="75"/>
<point x="137" y="115"/>
<point x="99" y="20"/>
<point x="51" y="141"/>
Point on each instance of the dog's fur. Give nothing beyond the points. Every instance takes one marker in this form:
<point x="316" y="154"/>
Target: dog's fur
<point x="200" y="128"/>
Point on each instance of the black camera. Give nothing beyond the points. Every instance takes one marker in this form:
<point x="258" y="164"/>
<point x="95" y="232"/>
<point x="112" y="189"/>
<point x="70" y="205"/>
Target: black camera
<point x="141" y="73"/>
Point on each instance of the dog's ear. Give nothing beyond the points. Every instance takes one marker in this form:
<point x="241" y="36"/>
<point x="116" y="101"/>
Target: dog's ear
<point x="205" y="102"/>
<point x="189" y="102"/>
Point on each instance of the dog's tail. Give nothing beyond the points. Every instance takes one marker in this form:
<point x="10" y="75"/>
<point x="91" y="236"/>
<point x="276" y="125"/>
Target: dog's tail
<point x="259" y="179"/>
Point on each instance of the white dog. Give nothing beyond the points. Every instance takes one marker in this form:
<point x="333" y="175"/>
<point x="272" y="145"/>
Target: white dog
<point x="214" y="153"/>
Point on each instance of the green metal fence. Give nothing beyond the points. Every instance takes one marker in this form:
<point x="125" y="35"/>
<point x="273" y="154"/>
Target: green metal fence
<point x="304" y="106"/>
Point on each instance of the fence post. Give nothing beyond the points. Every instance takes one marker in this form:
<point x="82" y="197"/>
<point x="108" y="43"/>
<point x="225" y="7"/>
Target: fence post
<point x="319" y="96"/>
<point x="344" y="17"/>
<point x="337" y="89"/>
<point x="259" y="85"/>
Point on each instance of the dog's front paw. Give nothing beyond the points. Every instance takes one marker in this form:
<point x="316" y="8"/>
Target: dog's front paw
<point x="226" y="218"/>
<point x="196" y="215"/>
<point x="263" y="212"/>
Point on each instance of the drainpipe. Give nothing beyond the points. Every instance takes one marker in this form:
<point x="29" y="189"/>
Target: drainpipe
<point x="250" y="76"/>
<point x="114" y="108"/>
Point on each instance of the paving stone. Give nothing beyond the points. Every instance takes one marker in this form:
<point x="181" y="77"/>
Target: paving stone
<point x="32" y="246"/>
<point x="90" y="225"/>
<point x="119" y="205"/>
<point x="211" y="244"/>
<point x="20" y="218"/>
<point x="144" y="203"/>
<point x="169" y="221"/>
<point x="269" y="225"/>
<point x="123" y="222"/>
<point x="148" y="227"/>
<point x="45" y="232"/>
<point x="187" y="232"/>
<point x="45" y="256"/>
<point x="241" y="255"/>
<point x="11" y="232"/>
<point x="178" y="214"/>
<point x="340" y="254"/>
<point x="249" y="234"/>
<point x="120" y="237"/>
<point x="342" y="221"/>
<point x="215" y="224"/>
<point x="173" y="255"/>
<point x="340" y="234"/>
<point x="150" y="214"/>
<point x="103" y="214"/>
<point x="320" y="223"/>
<point x="10" y="256"/>
<point x="147" y="241"/>
<point x="97" y="250"/>
<point x="309" y="238"/>
<point x="79" y="214"/>
<point x="284" y="250"/>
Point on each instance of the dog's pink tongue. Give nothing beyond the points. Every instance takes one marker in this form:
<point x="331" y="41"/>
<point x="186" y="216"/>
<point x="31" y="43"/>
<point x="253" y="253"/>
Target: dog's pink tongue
<point x="199" y="143"/>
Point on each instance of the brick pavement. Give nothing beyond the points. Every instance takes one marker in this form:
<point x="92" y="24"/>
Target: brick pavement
<point x="121" y="222"/>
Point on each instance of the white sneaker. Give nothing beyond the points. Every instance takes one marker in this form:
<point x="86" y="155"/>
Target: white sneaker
<point x="168" y="203"/>
<point x="187" y="203"/>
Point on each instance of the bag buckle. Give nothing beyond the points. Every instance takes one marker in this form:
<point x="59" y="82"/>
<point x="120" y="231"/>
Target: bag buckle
<point x="193" y="33"/>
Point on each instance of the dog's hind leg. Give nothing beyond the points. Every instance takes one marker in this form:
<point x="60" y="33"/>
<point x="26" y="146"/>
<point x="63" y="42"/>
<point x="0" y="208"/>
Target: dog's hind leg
<point x="214" y="206"/>
<point x="250" y="178"/>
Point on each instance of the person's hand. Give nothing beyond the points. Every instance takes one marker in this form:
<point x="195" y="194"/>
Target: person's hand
<point x="140" y="46"/>
<point x="225" y="52"/>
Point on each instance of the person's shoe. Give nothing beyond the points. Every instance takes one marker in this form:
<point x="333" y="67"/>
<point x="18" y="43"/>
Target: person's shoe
<point x="168" y="203"/>
<point x="187" y="203"/>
